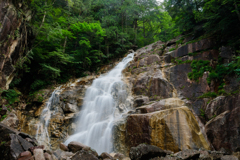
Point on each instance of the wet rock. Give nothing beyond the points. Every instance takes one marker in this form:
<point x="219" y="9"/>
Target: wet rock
<point x="223" y="130"/>
<point x="38" y="154"/>
<point x="84" y="155"/>
<point x="76" y="146"/>
<point x="70" y="108"/>
<point x="143" y="152"/>
<point x="63" y="147"/>
<point x="188" y="154"/>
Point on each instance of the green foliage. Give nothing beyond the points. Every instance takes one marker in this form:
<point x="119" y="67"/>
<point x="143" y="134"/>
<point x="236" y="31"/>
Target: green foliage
<point x="208" y="95"/>
<point x="198" y="68"/>
<point x="11" y="95"/>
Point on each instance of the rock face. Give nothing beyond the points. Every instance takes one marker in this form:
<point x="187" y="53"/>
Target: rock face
<point x="14" y="37"/>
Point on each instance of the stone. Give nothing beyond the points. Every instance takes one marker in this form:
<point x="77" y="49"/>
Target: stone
<point x="11" y="120"/>
<point x="36" y="147"/>
<point x="171" y="129"/>
<point x="229" y="157"/>
<point x="38" y="154"/>
<point x="25" y="156"/>
<point x="76" y="146"/>
<point x="66" y="155"/>
<point x="47" y="156"/>
<point x="3" y="110"/>
<point x="139" y="101"/>
<point x="118" y="156"/>
<point x="63" y="147"/>
<point x="143" y="152"/>
<point x="223" y="130"/>
<point x="201" y="45"/>
<point x="188" y="154"/>
<point x="161" y="105"/>
<point x="70" y="108"/>
<point x="84" y="155"/>
<point x="105" y="155"/>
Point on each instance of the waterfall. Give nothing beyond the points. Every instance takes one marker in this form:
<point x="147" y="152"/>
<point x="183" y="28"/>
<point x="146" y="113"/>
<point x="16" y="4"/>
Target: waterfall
<point x="42" y="134"/>
<point x="105" y="101"/>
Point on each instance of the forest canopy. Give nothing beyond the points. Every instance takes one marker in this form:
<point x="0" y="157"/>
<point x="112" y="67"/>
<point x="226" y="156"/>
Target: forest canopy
<point x="74" y="36"/>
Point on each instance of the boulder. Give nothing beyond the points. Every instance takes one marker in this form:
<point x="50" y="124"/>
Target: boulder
<point x="229" y="157"/>
<point x="11" y="120"/>
<point x="38" y="154"/>
<point x="188" y="154"/>
<point x="25" y="156"/>
<point x="76" y="146"/>
<point x="66" y="155"/>
<point x="171" y="129"/>
<point x="70" y="108"/>
<point x="84" y="155"/>
<point x="105" y="155"/>
<point x="139" y="101"/>
<point x="47" y="156"/>
<point x="63" y="147"/>
<point x="143" y="152"/>
<point x="223" y="130"/>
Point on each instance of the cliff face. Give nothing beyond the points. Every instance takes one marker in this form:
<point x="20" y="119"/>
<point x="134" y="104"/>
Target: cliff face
<point x="169" y="112"/>
<point x="15" y="36"/>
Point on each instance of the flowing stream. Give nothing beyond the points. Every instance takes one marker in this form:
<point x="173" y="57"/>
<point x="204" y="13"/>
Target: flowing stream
<point x="105" y="101"/>
<point x="42" y="134"/>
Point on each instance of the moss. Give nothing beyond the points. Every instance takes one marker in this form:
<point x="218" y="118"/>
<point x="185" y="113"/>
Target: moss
<point x="208" y="95"/>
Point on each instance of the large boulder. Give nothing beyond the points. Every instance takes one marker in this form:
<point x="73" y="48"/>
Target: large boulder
<point x="172" y="129"/>
<point x="14" y="143"/>
<point x="84" y="155"/>
<point x="223" y="130"/>
<point x="143" y="152"/>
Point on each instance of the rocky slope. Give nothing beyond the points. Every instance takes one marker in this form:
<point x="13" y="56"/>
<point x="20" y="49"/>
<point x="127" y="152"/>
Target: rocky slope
<point x="14" y="38"/>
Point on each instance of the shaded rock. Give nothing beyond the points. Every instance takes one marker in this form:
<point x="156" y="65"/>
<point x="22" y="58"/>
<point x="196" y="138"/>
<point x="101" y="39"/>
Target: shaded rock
<point x="226" y="52"/>
<point x="172" y="129"/>
<point x="229" y="157"/>
<point x="193" y="47"/>
<point x="223" y="131"/>
<point x="76" y="146"/>
<point x="63" y="147"/>
<point x="188" y="154"/>
<point x="105" y="155"/>
<point x="139" y="101"/>
<point x="38" y="154"/>
<point x="84" y="155"/>
<point x="3" y="110"/>
<point x="143" y="152"/>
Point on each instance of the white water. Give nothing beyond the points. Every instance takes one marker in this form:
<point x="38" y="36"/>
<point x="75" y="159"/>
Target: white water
<point x="102" y="103"/>
<point x="42" y="134"/>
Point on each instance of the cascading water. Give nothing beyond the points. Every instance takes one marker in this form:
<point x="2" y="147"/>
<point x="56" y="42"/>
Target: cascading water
<point x="42" y="134"/>
<point x="103" y="103"/>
